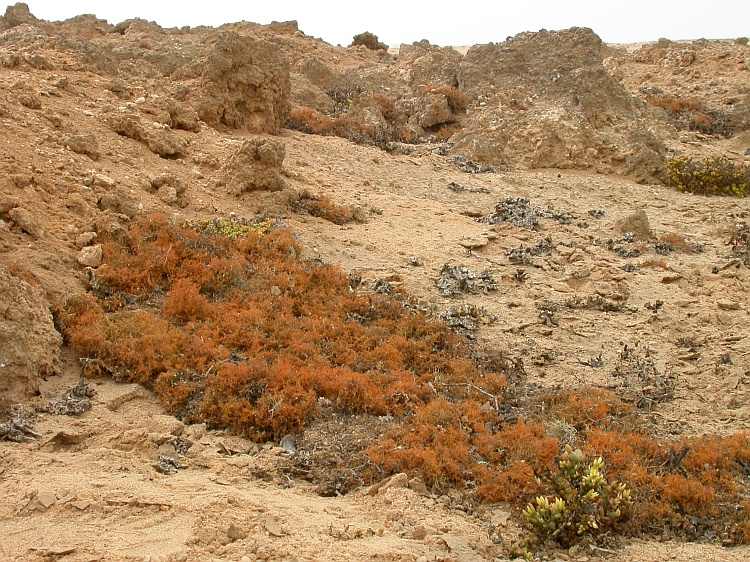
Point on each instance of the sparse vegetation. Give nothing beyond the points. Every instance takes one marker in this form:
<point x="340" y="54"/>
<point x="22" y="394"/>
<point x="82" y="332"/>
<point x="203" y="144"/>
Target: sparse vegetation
<point x="236" y="330"/>
<point x="691" y="113"/>
<point x="712" y="176"/>
<point x="323" y="207"/>
<point x="239" y="332"/>
<point x="349" y="118"/>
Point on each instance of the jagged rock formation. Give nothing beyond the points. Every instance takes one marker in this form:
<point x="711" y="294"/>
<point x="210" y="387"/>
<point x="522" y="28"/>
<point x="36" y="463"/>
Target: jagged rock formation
<point x="546" y="100"/>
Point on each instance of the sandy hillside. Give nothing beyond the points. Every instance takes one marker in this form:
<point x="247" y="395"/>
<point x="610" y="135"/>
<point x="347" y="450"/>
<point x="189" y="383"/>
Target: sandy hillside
<point x="101" y="125"/>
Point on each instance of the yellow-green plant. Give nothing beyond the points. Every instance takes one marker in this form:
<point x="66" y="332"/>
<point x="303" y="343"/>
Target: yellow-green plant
<point x="583" y="502"/>
<point x="713" y="176"/>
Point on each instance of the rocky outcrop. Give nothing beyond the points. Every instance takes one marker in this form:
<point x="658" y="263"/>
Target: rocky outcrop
<point x="242" y="83"/>
<point x="29" y="343"/>
<point x="256" y="166"/>
<point x="545" y="100"/>
<point x="424" y="65"/>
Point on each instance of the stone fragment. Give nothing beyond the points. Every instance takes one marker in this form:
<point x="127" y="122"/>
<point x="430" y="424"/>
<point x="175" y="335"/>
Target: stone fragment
<point x="101" y="180"/>
<point x="727" y="304"/>
<point x="636" y="223"/>
<point x="27" y="222"/>
<point x="46" y="498"/>
<point x="84" y="144"/>
<point x="235" y="533"/>
<point x="90" y="256"/>
<point x="273" y="528"/>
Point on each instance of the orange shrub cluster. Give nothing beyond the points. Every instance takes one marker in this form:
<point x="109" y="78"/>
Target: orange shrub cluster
<point x="346" y="121"/>
<point x="675" y="104"/>
<point x="323" y="207"/>
<point x="691" y="113"/>
<point x="310" y="121"/>
<point x="241" y="333"/>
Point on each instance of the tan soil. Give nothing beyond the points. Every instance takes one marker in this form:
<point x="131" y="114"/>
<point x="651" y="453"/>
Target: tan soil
<point x="87" y="488"/>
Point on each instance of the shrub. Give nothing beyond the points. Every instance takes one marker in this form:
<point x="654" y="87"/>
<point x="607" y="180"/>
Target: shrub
<point x="307" y="120"/>
<point x="582" y="501"/>
<point x="692" y="114"/>
<point x="323" y="207"/>
<point x="676" y="105"/>
<point x="457" y="100"/>
<point x="713" y="176"/>
<point x="236" y="330"/>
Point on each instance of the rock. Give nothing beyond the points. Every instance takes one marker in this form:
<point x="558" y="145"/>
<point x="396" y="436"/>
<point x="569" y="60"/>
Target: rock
<point x="319" y="74"/>
<point x="235" y="533"/>
<point x="85" y="239"/>
<point x="162" y="142"/>
<point x="273" y="528"/>
<point x="400" y="480"/>
<point x="18" y="14"/>
<point x="419" y="487"/>
<point x="549" y="102"/>
<point x="167" y="194"/>
<point x="431" y="110"/>
<point x="370" y="41"/>
<point x="46" y="499"/>
<point x="726" y="304"/>
<point x="29" y="343"/>
<point x="418" y="533"/>
<point x="84" y="144"/>
<point x="287" y="443"/>
<point x="181" y="117"/>
<point x="306" y="94"/>
<point x="27" y="222"/>
<point x="636" y="223"/>
<point x="428" y="65"/>
<point x="255" y="166"/>
<point x="166" y="144"/>
<point x="473" y="243"/>
<point x="8" y="203"/>
<point x="90" y="256"/>
<point x="100" y="180"/>
<point x="243" y="83"/>
<point x="118" y="202"/>
<point x="31" y="101"/>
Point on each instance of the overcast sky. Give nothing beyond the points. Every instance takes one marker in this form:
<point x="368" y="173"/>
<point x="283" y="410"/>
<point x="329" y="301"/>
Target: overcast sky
<point x="457" y="22"/>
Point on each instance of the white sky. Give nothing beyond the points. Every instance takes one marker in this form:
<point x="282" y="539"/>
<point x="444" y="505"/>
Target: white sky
<point x="454" y="22"/>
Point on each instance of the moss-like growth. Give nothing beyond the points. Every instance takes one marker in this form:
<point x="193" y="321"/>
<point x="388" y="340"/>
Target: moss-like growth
<point x="713" y="176"/>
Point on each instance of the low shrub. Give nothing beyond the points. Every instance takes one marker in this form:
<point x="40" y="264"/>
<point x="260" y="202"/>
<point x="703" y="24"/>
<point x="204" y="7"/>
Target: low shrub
<point x="692" y="114"/>
<point x="676" y="104"/>
<point x="457" y="100"/>
<point x="323" y="207"/>
<point x="713" y="176"/>
<point x="232" y="327"/>
<point x="581" y="502"/>
<point x="240" y="332"/>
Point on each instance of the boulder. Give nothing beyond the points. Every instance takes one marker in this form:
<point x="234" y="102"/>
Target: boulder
<point x="29" y="343"/>
<point x="243" y="84"/>
<point x="428" y="65"/>
<point x="256" y="166"/>
<point x="545" y="100"/>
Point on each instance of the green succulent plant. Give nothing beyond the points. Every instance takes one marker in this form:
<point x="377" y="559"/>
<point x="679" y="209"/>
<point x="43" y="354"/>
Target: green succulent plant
<point x="713" y="176"/>
<point x="584" y="503"/>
